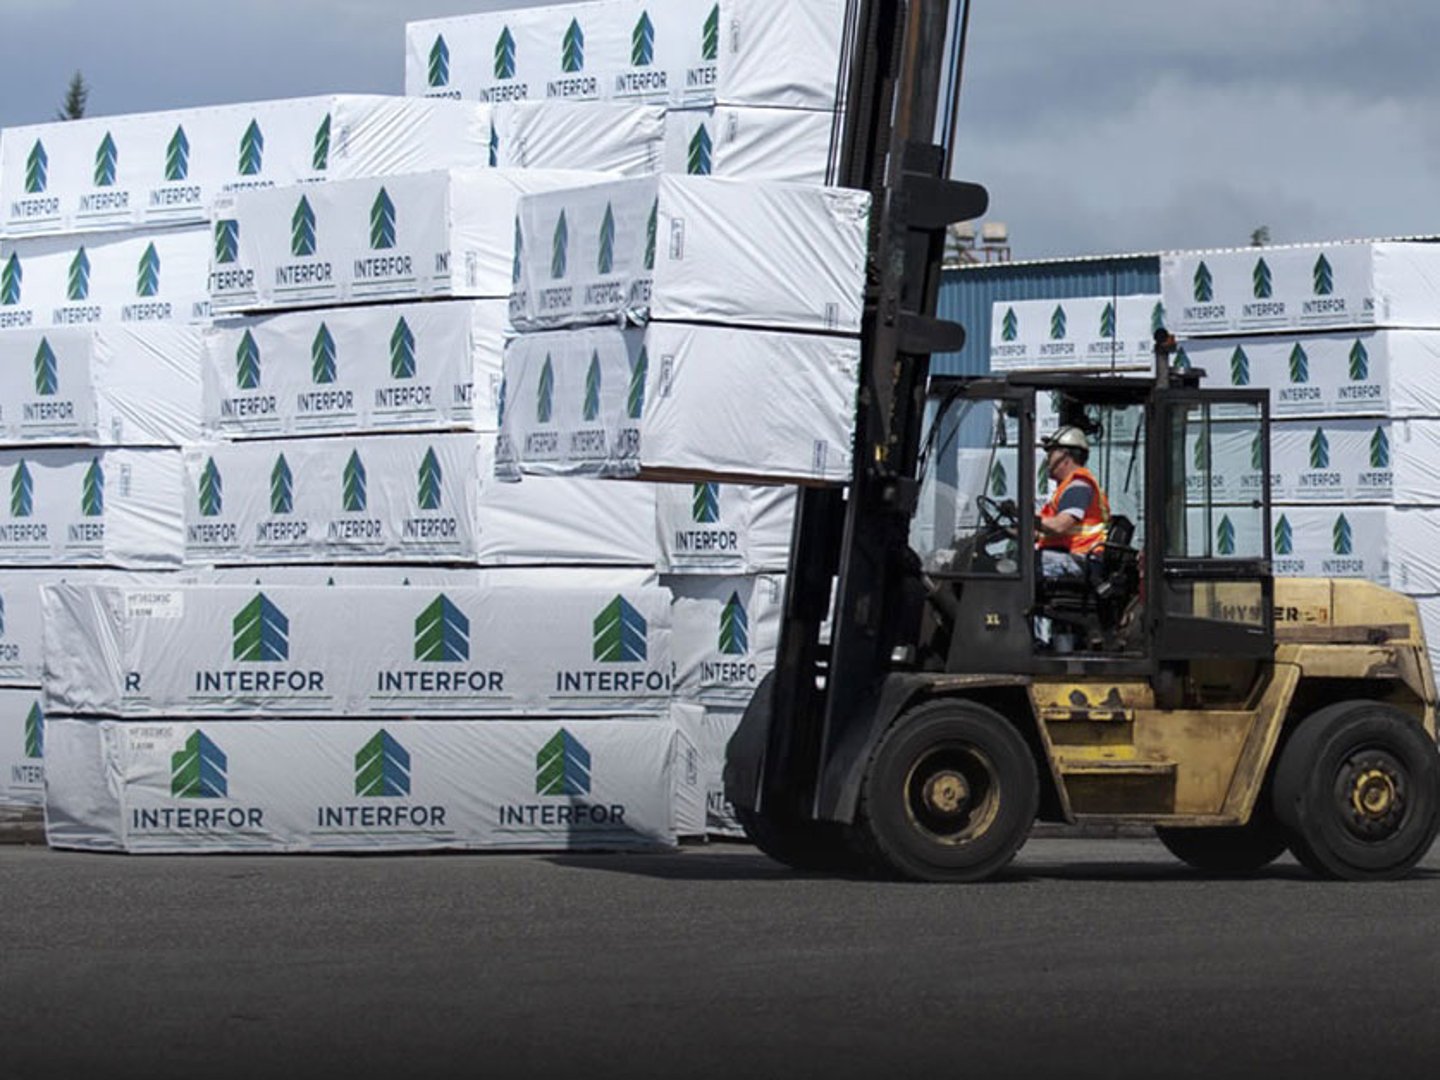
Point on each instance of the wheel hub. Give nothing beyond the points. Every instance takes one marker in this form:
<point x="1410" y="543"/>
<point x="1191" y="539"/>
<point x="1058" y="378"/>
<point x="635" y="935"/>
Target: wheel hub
<point x="1372" y="788"/>
<point x="946" y="793"/>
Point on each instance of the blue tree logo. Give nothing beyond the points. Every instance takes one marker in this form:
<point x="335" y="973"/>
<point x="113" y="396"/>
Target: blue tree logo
<point x="261" y="632"/>
<point x="562" y="767"/>
<point x="442" y="633"/>
<point x="198" y="771"/>
<point x="734" y="628"/>
<point x="382" y="768"/>
<point x="177" y="156"/>
<point x="324" y="366"/>
<point x="620" y="634"/>
<point x="438" y="74"/>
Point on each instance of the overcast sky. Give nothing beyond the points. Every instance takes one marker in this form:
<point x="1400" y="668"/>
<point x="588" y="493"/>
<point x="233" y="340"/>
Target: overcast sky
<point x="1099" y="126"/>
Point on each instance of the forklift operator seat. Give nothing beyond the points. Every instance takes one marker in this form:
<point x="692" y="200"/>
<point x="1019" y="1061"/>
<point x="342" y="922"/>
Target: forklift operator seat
<point x="1093" y="604"/>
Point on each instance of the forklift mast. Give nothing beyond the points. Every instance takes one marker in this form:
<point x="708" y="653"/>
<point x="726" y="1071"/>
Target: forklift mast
<point x="850" y="547"/>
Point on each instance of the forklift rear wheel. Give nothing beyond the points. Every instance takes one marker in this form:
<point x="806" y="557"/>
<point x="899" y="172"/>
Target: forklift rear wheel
<point x="801" y="845"/>
<point x="1358" y="789"/>
<point x="1238" y="849"/>
<point x="950" y="793"/>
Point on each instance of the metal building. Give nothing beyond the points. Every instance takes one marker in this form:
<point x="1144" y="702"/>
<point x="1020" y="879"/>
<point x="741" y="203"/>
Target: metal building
<point x="968" y="292"/>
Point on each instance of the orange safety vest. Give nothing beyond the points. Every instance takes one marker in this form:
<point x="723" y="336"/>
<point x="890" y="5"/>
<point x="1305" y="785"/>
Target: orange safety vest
<point x="1093" y="526"/>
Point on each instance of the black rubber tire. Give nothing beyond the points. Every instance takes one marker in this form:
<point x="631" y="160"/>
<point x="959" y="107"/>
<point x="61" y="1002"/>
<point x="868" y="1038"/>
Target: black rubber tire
<point x="1231" y="851"/>
<point x="1319" y="780"/>
<point x="820" y="846"/>
<point x="931" y="744"/>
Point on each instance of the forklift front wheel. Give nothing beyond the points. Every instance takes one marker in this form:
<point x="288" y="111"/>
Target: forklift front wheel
<point x="950" y="794"/>
<point x="1356" y="788"/>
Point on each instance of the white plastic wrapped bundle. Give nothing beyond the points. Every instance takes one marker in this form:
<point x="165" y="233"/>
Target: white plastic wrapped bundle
<point x="1333" y="541"/>
<point x="121" y="277"/>
<point x="107" y="384"/>
<point x="726" y="632"/>
<point x="613" y="50"/>
<point x="743" y="143"/>
<point x="680" y="402"/>
<point x="1372" y="372"/>
<point x="353" y="785"/>
<point x="784" y="55"/>
<point x="784" y="256"/>
<point x="712" y="528"/>
<point x="618" y="138"/>
<point x="166" y="168"/>
<point x="115" y="507"/>
<point x="1093" y="333"/>
<point x="215" y="650"/>
<point x="405" y="367"/>
<point x="1350" y="461"/>
<point x="22" y="747"/>
<point x="432" y="234"/>
<point x="1352" y="285"/>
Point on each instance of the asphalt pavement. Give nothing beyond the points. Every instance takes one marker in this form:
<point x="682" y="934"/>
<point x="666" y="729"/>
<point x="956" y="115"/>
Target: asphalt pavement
<point x="1089" y="958"/>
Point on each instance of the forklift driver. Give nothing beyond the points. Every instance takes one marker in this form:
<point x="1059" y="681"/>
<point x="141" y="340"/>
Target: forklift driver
<point x="1073" y="522"/>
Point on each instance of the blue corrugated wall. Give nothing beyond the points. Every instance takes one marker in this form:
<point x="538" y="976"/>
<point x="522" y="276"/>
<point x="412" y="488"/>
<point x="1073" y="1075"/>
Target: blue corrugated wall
<point x="967" y="294"/>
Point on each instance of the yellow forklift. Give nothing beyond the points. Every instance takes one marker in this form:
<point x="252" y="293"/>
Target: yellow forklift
<point x="935" y="694"/>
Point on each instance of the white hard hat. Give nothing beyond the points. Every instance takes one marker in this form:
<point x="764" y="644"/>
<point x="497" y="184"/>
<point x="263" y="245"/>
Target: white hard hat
<point x="1068" y="438"/>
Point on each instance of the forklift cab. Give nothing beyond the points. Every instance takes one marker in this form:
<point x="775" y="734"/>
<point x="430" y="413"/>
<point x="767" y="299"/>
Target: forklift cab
<point x="1183" y="572"/>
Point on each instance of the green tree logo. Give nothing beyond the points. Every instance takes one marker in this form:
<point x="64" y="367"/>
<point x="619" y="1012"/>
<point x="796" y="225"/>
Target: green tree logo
<point x="92" y="490"/>
<point x="107" y="158"/>
<point x="1157" y="317"/>
<point x="1323" y="277"/>
<point x="1379" y="449"/>
<point x="562" y="767"/>
<point x="1107" y="321"/>
<point x="323" y="360"/>
<point x="147" y="277"/>
<point x="591" y="405"/>
<point x="1260" y="279"/>
<point x="1319" y="450"/>
<point x="1359" y="362"/>
<point x="77" y="286"/>
<point x="35" y="732"/>
<point x="438" y="74"/>
<point x="261" y="632"/>
<point x="1239" y="367"/>
<point x="11" y="278"/>
<point x="710" y="36"/>
<point x="402" y="351"/>
<point x="177" y="156"/>
<point x="211" y="490"/>
<point x="252" y="150"/>
<point x="545" y="393"/>
<point x="442" y="633"/>
<point x="620" y="633"/>
<point x="227" y="240"/>
<point x="1342" y="540"/>
<point x="651" y="228"/>
<point x="1225" y="536"/>
<point x="382" y="768"/>
<point x="282" y="487"/>
<point x="1057" y="323"/>
<point x="198" y="770"/>
<point x="700" y="160"/>
<point x="505" y="54"/>
<point x="734" y="628"/>
<point x="22" y="491"/>
<point x="320" y="159"/>
<point x="382" y="222"/>
<point x="1284" y="537"/>
<point x="642" y="42"/>
<point x="37" y="169"/>
<point x="47" y="370"/>
<point x="247" y="363"/>
<point x="635" y="393"/>
<point x="428" y="490"/>
<point x="1204" y="285"/>
<point x="572" y="49"/>
<point x="1299" y="364"/>
<point x="302" y="229"/>
<point x="353" y="494"/>
<point x="1202" y="453"/>
<point x="1009" y="326"/>
<point x="559" y="248"/>
<point x="705" y="504"/>
<point x="494" y="147"/>
<point x="999" y="481"/>
<point x="605" y="264"/>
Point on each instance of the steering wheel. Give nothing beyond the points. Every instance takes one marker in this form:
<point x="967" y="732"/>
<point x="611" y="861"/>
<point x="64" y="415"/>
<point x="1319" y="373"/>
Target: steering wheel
<point x="998" y="517"/>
